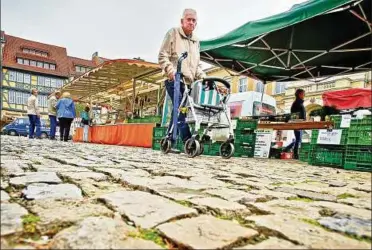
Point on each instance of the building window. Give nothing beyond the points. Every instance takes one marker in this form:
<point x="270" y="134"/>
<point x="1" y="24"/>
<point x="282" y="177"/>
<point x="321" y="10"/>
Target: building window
<point x="59" y="83"/>
<point x="26" y="51"/>
<point x="40" y="64"/>
<point x="27" y="78"/>
<point x="47" y="82"/>
<point x="11" y="96"/>
<point x="280" y="87"/>
<point x="19" y="98"/>
<point x="52" y="66"/>
<point x="53" y="83"/>
<point x="19" y="60"/>
<point x="33" y="63"/>
<point x="259" y="86"/>
<point x="25" y="98"/>
<point x="38" y="53"/>
<point x="243" y="84"/>
<point x="19" y="77"/>
<point x="26" y="62"/>
<point x="40" y="81"/>
<point x="32" y="52"/>
<point x="12" y="76"/>
<point x="44" y="54"/>
<point x="46" y="65"/>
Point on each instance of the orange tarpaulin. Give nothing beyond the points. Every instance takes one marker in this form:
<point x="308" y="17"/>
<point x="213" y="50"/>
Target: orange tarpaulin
<point x="136" y="135"/>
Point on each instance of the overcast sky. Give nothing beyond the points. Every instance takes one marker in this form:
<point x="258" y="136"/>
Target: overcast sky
<point x="125" y="28"/>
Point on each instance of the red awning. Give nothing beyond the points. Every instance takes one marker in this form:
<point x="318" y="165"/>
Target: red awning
<point x="348" y="99"/>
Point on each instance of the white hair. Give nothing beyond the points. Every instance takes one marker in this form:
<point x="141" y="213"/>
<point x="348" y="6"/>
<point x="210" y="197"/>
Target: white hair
<point x="188" y="11"/>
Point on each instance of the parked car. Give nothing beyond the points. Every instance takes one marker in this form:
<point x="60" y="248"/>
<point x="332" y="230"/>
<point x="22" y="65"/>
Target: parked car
<point x="20" y="127"/>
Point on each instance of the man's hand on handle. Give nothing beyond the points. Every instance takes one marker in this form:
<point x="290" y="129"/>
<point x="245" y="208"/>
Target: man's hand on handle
<point x="171" y="77"/>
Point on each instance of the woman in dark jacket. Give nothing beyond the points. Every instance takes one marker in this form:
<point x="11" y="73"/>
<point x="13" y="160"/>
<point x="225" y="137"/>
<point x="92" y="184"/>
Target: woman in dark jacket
<point x="298" y="109"/>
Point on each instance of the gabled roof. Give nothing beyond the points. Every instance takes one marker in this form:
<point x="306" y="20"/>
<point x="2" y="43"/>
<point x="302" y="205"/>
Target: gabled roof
<point x="13" y="49"/>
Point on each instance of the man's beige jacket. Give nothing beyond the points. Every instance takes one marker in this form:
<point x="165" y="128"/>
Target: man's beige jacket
<point x="32" y="106"/>
<point x="52" y="102"/>
<point x="174" y="44"/>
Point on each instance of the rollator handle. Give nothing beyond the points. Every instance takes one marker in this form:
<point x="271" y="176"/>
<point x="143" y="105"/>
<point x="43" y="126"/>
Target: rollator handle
<point x="182" y="57"/>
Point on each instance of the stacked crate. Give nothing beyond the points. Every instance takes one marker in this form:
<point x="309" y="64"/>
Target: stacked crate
<point x="157" y="134"/>
<point x="329" y="155"/>
<point x="245" y="138"/>
<point x="305" y="152"/>
<point x="359" y="149"/>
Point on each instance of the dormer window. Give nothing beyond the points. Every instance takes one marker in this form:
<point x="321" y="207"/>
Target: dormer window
<point x="35" y="52"/>
<point x="38" y="64"/>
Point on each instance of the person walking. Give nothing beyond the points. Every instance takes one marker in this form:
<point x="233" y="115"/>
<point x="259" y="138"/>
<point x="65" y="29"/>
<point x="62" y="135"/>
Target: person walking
<point x="177" y="41"/>
<point x="52" y="112"/>
<point x="66" y="114"/>
<point x="85" y="120"/>
<point x="33" y="113"/>
<point x="298" y="109"/>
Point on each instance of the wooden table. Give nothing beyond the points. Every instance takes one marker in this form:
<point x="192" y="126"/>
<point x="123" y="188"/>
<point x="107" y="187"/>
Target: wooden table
<point x="295" y="125"/>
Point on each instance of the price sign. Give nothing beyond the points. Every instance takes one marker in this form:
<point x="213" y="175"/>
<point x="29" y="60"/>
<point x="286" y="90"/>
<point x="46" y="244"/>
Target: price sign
<point x="332" y="137"/>
<point x="263" y="143"/>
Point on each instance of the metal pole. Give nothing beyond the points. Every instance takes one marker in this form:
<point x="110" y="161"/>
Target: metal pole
<point x="262" y="95"/>
<point x="133" y="96"/>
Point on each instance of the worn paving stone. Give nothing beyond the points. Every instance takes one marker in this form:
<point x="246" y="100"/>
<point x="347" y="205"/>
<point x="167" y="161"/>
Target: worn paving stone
<point x="273" y="243"/>
<point x="205" y="232"/>
<point x="230" y="194"/>
<point x="365" y="188"/>
<point x="56" y="213"/>
<point x="11" y="218"/>
<point x="144" y="209"/>
<point x="11" y="169"/>
<point x="306" y="234"/>
<point x="348" y="224"/>
<point x="339" y="208"/>
<point x="100" y="233"/>
<point x="45" y="191"/>
<point x="78" y="176"/>
<point x="220" y="205"/>
<point x="356" y="202"/>
<point x="35" y="177"/>
<point x="92" y="188"/>
<point x="307" y="194"/>
<point x="337" y="184"/>
<point x="4" y="196"/>
<point x="4" y="184"/>
<point x="272" y="194"/>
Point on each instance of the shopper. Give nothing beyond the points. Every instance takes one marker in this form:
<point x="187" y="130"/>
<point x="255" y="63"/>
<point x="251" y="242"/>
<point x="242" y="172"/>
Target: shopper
<point x="176" y="41"/>
<point x="52" y="112"/>
<point x="66" y="114"/>
<point x="299" y="110"/>
<point x="33" y="113"/>
<point x="85" y="120"/>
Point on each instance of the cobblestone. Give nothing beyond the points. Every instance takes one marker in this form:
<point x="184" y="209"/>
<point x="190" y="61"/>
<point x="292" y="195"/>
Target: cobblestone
<point x="100" y="196"/>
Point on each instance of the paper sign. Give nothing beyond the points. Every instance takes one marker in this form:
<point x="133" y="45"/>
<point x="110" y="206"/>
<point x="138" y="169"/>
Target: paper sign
<point x="263" y="143"/>
<point x="345" y="122"/>
<point x="332" y="137"/>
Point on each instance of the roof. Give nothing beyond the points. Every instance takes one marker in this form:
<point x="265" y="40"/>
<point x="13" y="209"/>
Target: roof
<point x="13" y="48"/>
<point x="65" y="65"/>
<point x="309" y="40"/>
<point x="113" y="78"/>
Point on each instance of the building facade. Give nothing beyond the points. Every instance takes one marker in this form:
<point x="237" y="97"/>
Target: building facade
<point x="28" y="64"/>
<point x="283" y="92"/>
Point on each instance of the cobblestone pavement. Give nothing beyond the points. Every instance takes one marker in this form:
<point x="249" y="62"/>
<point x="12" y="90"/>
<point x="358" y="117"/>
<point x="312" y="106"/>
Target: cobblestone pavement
<point x="79" y="196"/>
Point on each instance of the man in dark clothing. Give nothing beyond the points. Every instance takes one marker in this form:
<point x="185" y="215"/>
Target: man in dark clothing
<point x="298" y="109"/>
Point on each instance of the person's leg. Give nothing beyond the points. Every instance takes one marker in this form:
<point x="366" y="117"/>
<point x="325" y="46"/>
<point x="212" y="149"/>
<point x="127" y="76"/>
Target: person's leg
<point x="38" y="126"/>
<point x="67" y="129"/>
<point x="85" y="134"/>
<point x="53" y="126"/>
<point x="31" y="127"/>
<point x="183" y="127"/>
<point x="62" y="126"/>
<point x="298" y="136"/>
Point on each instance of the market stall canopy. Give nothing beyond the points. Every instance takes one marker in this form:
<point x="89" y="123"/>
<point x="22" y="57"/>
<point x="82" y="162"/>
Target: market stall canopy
<point x="115" y="79"/>
<point x="312" y="40"/>
<point x="348" y="99"/>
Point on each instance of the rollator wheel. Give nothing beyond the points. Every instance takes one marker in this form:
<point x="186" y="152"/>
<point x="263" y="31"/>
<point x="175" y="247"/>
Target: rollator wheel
<point x="165" y="145"/>
<point x="192" y="148"/>
<point x="201" y="151"/>
<point x="227" y="150"/>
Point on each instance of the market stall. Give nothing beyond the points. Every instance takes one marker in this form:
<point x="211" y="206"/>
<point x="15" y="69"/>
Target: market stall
<point x="117" y="90"/>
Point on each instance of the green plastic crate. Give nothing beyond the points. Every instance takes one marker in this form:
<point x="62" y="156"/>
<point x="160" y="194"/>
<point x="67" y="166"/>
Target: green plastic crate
<point x="245" y="136"/>
<point x="244" y="150"/>
<point x="305" y="152"/>
<point x="344" y="137"/>
<point x="212" y="149"/>
<point x="246" y="124"/>
<point x="327" y="155"/>
<point x="159" y="132"/>
<point x="356" y="166"/>
<point x="362" y="155"/>
<point x="359" y="137"/>
<point x="336" y="121"/>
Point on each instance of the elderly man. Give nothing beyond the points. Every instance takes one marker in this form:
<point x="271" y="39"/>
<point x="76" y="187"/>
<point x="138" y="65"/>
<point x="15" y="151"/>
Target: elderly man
<point x="177" y="41"/>
<point x="52" y="112"/>
<point x="33" y="113"/>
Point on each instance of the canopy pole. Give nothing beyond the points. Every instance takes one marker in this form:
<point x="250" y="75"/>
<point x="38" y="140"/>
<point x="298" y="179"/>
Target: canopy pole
<point x="133" y="96"/>
<point x="262" y="95"/>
